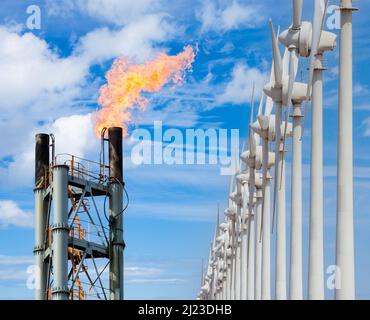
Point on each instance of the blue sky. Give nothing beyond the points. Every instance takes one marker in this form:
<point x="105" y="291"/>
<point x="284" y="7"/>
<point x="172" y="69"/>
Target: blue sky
<point x="49" y="81"/>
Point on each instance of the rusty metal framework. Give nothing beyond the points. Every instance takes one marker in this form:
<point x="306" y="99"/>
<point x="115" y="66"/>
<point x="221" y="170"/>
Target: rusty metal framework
<point x="78" y="245"/>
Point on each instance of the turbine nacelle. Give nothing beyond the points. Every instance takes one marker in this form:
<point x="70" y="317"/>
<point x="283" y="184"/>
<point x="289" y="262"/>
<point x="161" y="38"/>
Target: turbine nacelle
<point x="289" y="129"/>
<point x="258" y="182"/>
<point x="259" y="158"/>
<point x="243" y="178"/>
<point x="263" y="123"/>
<point x="302" y="39"/>
<point x="224" y="226"/>
<point x="230" y="212"/>
<point x="280" y="94"/>
<point x="244" y="156"/>
<point x="236" y="198"/>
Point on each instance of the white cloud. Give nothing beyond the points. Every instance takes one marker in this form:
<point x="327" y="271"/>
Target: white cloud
<point x="12" y="215"/>
<point x="360" y="90"/>
<point x="217" y="16"/>
<point x="30" y="70"/>
<point x="136" y="40"/>
<point x="366" y="124"/>
<point x="239" y="89"/>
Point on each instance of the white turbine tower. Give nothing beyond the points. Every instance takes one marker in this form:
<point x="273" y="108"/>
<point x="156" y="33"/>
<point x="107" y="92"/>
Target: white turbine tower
<point x="345" y="238"/>
<point x="223" y="264"/>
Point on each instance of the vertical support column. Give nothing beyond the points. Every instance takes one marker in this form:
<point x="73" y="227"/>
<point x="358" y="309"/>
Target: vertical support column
<point x="224" y="287"/>
<point x="280" y="262"/>
<point x="60" y="233"/>
<point x="266" y="239"/>
<point x="41" y="167"/>
<point x="115" y="214"/>
<point x="238" y="244"/>
<point x="244" y="246"/>
<point x="316" y="238"/>
<point x="250" y="257"/>
<point x="295" y="291"/>
<point x="244" y="260"/>
<point x="250" y="278"/>
<point x="229" y="263"/>
<point x="258" y="270"/>
<point x="345" y="259"/>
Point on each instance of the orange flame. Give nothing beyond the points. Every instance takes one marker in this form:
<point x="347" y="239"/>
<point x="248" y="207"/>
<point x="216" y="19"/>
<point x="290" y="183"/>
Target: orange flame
<point x="126" y="82"/>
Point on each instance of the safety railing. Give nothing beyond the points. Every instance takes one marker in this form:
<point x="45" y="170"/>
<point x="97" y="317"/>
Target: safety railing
<point x="78" y="167"/>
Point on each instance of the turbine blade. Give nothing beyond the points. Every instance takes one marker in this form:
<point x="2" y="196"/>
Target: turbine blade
<point x="250" y="138"/>
<point x="218" y="220"/>
<point x="269" y="105"/>
<point x="278" y="64"/>
<point x="292" y="73"/>
<point x="286" y="61"/>
<point x="230" y="191"/>
<point x="264" y="181"/>
<point x="261" y="104"/>
<point x="269" y="102"/>
<point x="274" y="203"/>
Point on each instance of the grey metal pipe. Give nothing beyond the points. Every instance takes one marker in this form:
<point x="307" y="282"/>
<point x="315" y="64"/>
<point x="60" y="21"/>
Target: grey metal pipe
<point x="116" y="214"/>
<point x="116" y="241"/>
<point x="60" y="289"/>
<point x="39" y="249"/>
<point x="41" y="172"/>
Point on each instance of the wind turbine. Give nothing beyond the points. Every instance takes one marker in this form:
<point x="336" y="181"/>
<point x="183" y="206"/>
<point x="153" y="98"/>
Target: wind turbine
<point x="236" y="198"/>
<point x="227" y="260"/>
<point x="258" y="195"/>
<point x="231" y="215"/>
<point x="216" y="292"/>
<point x="278" y="91"/>
<point x="265" y="127"/>
<point x="243" y="178"/>
<point x="308" y="39"/>
<point x="255" y="161"/>
<point x="345" y="239"/>
<point x="250" y="159"/>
